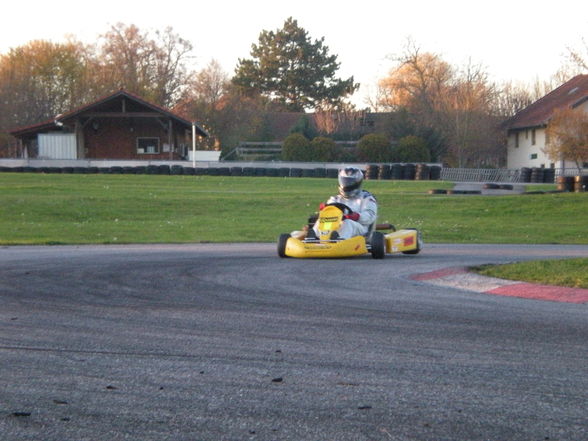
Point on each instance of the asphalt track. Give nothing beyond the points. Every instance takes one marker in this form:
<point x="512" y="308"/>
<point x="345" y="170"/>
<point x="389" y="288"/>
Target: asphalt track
<point x="229" y="342"/>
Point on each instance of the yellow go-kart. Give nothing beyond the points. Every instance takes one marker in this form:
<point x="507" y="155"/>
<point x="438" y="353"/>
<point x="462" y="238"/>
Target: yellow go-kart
<point x="298" y="244"/>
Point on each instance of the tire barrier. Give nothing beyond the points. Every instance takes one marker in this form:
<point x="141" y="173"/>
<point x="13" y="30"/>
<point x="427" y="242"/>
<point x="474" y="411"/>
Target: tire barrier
<point x="177" y="170"/>
<point x="320" y="173"/>
<point x="332" y="173"/>
<point x="394" y="171"/>
<point x="295" y="172"/>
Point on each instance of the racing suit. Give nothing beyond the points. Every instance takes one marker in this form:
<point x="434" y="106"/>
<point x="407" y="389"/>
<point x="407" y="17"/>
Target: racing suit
<point x="365" y="205"/>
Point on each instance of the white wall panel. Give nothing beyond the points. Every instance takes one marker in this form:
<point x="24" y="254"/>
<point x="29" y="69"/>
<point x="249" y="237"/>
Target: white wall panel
<point x="57" y="146"/>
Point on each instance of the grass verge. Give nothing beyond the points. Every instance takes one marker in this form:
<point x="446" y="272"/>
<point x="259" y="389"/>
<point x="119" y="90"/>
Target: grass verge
<point x="567" y="272"/>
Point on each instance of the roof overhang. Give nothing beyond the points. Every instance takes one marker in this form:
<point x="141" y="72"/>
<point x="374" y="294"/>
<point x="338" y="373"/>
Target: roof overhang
<point x="93" y="110"/>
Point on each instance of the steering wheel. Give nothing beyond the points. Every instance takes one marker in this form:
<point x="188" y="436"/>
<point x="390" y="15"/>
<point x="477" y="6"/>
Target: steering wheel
<point x="344" y="208"/>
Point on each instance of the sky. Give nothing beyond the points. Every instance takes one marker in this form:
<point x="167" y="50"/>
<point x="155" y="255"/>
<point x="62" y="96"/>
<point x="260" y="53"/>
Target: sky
<point x="512" y="40"/>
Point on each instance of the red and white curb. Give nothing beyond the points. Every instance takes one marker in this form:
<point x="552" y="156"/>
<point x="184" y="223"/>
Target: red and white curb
<point x="460" y="277"/>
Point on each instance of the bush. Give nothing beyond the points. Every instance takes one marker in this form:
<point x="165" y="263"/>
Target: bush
<point x="296" y="147"/>
<point x="374" y="147"/>
<point x="411" y="149"/>
<point x="324" y="149"/>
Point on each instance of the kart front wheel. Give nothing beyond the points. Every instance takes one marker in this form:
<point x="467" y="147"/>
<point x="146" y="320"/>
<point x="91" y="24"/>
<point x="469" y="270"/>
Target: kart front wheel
<point x="282" y="240"/>
<point x="378" y="245"/>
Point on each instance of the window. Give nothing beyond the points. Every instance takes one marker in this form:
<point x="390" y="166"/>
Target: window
<point x="517" y="140"/>
<point x="533" y="137"/>
<point x="533" y="156"/>
<point x="147" y="145"/>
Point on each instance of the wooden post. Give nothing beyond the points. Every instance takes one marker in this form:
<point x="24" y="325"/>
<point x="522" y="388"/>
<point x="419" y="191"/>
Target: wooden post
<point x="193" y="145"/>
<point x="169" y="139"/>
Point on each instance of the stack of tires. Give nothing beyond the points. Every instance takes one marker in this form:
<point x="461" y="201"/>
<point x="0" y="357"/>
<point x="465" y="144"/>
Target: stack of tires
<point x="435" y="173"/>
<point x="537" y="175"/>
<point x="422" y="172"/>
<point x="372" y="171"/>
<point x="385" y="171"/>
<point x="409" y="172"/>
<point x="580" y="183"/>
<point x="396" y="171"/>
<point x="525" y="174"/>
<point x="549" y="175"/>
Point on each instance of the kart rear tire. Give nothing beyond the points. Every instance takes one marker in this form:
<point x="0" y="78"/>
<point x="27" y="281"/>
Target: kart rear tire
<point x="378" y="245"/>
<point x="282" y="240"/>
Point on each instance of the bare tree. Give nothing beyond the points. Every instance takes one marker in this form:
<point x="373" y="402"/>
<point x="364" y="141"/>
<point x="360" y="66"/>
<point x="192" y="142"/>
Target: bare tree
<point x="154" y="68"/>
<point x="210" y="84"/>
<point x="578" y="56"/>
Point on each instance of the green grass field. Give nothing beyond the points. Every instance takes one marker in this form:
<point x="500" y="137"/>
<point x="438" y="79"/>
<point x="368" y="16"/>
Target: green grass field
<point x="43" y="209"/>
<point x="83" y="209"/>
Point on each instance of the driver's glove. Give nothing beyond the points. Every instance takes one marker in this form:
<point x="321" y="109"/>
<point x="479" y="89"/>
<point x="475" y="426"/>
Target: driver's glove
<point x="352" y="216"/>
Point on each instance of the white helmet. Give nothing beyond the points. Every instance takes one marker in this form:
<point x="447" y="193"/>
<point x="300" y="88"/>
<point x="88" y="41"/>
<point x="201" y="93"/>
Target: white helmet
<point x="350" y="179"/>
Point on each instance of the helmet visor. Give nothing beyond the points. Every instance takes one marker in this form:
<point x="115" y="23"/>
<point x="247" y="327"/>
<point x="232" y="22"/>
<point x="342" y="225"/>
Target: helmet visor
<point x="349" y="183"/>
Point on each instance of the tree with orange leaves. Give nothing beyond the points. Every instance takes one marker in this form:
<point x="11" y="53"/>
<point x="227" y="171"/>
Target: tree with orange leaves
<point x="567" y="134"/>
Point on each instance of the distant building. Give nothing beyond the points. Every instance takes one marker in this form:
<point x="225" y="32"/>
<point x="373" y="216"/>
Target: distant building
<point x="526" y="130"/>
<point x="119" y="126"/>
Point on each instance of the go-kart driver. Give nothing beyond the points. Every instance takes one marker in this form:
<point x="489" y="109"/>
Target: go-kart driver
<point x="362" y="203"/>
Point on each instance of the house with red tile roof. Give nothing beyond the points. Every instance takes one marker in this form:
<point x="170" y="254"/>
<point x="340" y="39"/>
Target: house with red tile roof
<point x="526" y="130"/>
<point x="118" y="126"/>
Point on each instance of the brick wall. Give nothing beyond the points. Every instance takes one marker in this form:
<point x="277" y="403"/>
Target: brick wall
<point x="114" y="138"/>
